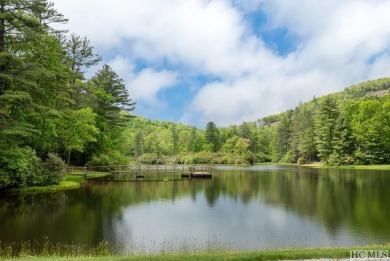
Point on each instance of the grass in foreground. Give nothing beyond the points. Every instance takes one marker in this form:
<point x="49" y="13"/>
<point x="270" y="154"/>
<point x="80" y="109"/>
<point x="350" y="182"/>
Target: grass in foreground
<point x="101" y="253"/>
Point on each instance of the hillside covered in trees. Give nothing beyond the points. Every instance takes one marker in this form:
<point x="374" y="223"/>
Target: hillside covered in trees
<point x="344" y="128"/>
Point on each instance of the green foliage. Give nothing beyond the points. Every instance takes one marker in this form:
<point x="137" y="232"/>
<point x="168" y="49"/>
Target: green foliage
<point x="45" y="106"/>
<point x="370" y="125"/>
<point x="79" y="55"/>
<point x="77" y="128"/>
<point x="325" y="123"/>
<point x="106" y="159"/>
<point x="282" y="137"/>
<point x="48" y="106"/>
<point x="53" y="170"/>
<point x="20" y="167"/>
<point x="212" y="137"/>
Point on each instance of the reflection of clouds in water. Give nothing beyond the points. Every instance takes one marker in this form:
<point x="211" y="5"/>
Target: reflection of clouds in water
<point x="228" y="224"/>
<point x="278" y="219"/>
<point x="122" y="230"/>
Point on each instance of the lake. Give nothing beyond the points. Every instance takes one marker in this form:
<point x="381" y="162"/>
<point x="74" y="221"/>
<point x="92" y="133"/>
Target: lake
<point x="240" y="208"/>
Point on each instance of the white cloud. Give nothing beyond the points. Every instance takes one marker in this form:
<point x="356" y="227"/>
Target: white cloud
<point x="144" y="85"/>
<point x="337" y="43"/>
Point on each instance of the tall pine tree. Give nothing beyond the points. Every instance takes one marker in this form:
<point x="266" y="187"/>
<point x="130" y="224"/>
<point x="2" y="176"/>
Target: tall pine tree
<point x="325" y="123"/>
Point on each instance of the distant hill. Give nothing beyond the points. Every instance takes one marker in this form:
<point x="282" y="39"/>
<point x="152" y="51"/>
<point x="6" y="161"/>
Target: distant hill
<point x="372" y="88"/>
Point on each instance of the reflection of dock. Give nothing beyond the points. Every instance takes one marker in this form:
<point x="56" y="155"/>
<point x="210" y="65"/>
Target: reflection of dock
<point x="140" y="172"/>
<point x="197" y="173"/>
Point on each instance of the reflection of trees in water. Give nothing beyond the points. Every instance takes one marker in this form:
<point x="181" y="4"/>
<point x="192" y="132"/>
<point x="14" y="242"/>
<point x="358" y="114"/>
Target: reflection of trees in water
<point x="22" y="214"/>
<point x="336" y="198"/>
<point x="332" y="197"/>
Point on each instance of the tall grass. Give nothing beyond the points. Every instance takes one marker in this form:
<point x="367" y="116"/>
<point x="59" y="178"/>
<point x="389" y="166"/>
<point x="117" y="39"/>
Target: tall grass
<point x="210" y="249"/>
<point x="45" y="248"/>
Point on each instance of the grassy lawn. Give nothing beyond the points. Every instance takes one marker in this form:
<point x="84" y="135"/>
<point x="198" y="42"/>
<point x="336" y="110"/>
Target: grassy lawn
<point x="283" y="254"/>
<point x="373" y="167"/>
<point x="64" y="185"/>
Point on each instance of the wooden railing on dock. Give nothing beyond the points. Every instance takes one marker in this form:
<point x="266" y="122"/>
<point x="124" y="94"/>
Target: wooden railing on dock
<point x="139" y="171"/>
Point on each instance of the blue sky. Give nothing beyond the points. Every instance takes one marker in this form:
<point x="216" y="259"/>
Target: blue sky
<point x="229" y="61"/>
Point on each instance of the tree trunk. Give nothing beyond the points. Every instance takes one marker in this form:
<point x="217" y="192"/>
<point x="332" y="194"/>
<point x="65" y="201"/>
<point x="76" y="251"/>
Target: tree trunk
<point x="2" y="50"/>
<point x="69" y="157"/>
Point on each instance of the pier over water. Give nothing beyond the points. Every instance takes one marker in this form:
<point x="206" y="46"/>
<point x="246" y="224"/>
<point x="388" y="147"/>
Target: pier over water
<point x="148" y="172"/>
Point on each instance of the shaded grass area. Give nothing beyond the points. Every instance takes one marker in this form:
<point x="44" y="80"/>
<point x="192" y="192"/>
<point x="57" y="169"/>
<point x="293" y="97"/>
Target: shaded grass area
<point x="368" y="167"/>
<point x="72" y="181"/>
<point x="64" y="185"/>
<point x="101" y="253"/>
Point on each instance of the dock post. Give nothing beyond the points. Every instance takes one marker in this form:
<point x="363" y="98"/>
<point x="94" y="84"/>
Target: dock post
<point x="85" y="172"/>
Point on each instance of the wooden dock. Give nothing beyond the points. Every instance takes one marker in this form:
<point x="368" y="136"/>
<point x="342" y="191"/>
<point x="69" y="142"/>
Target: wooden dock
<point x="139" y="172"/>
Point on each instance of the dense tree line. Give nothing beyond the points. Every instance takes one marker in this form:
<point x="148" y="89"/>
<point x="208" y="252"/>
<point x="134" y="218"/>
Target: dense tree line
<point x="166" y="142"/>
<point x="349" y="127"/>
<point x="346" y="128"/>
<point x="49" y="112"/>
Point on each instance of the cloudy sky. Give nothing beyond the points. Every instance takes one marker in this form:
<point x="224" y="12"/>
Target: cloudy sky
<point x="229" y="61"/>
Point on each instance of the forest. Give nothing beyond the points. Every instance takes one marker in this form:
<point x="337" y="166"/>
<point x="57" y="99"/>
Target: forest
<point x="351" y="127"/>
<point x="52" y="116"/>
<point x="49" y="111"/>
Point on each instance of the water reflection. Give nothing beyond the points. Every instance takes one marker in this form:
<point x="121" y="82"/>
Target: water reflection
<point x="244" y="207"/>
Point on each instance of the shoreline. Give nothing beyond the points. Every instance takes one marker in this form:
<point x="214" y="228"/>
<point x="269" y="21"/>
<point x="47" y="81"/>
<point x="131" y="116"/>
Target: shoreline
<point x="363" y="167"/>
<point x="70" y="182"/>
<point x="334" y="253"/>
<point x="74" y="181"/>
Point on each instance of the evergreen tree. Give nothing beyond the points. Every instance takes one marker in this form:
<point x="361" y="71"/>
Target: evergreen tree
<point x="282" y="139"/>
<point x="112" y="104"/>
<point x="175" y="139"/>
<point x="80" y="55"/>
<point x="343" y="142"/>
<point x="212" y="136"/>
<point x="111" y="98"/>
<point x="25" y="80"/>
<point x="302" y="135"/>
<point x="138" y="141"/>
<point x="325" y="123"/>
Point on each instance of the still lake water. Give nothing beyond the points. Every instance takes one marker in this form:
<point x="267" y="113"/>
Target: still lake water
<point x="240" y="208"/>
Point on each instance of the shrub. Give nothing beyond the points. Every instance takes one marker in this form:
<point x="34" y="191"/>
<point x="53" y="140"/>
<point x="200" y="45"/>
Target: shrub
<point x="19" y="167"/>
<point x="172" y="160"/>
<point x="4" y="180"/>
<point x="262" y="157"/>
<point x="302" y="161"/>
<point x="148" y="158"/>
<point x="53" y="170"/>
<point x="106" y="159"/>
<point x="99" y="160"/>
<point x="287" y="158"/>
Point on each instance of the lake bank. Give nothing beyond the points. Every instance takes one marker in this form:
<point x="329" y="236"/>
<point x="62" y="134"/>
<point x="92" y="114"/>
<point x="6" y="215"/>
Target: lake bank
<point x="368" y="167"/>
<point x="73" y="181"/>
<point x="278" y="254"/>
